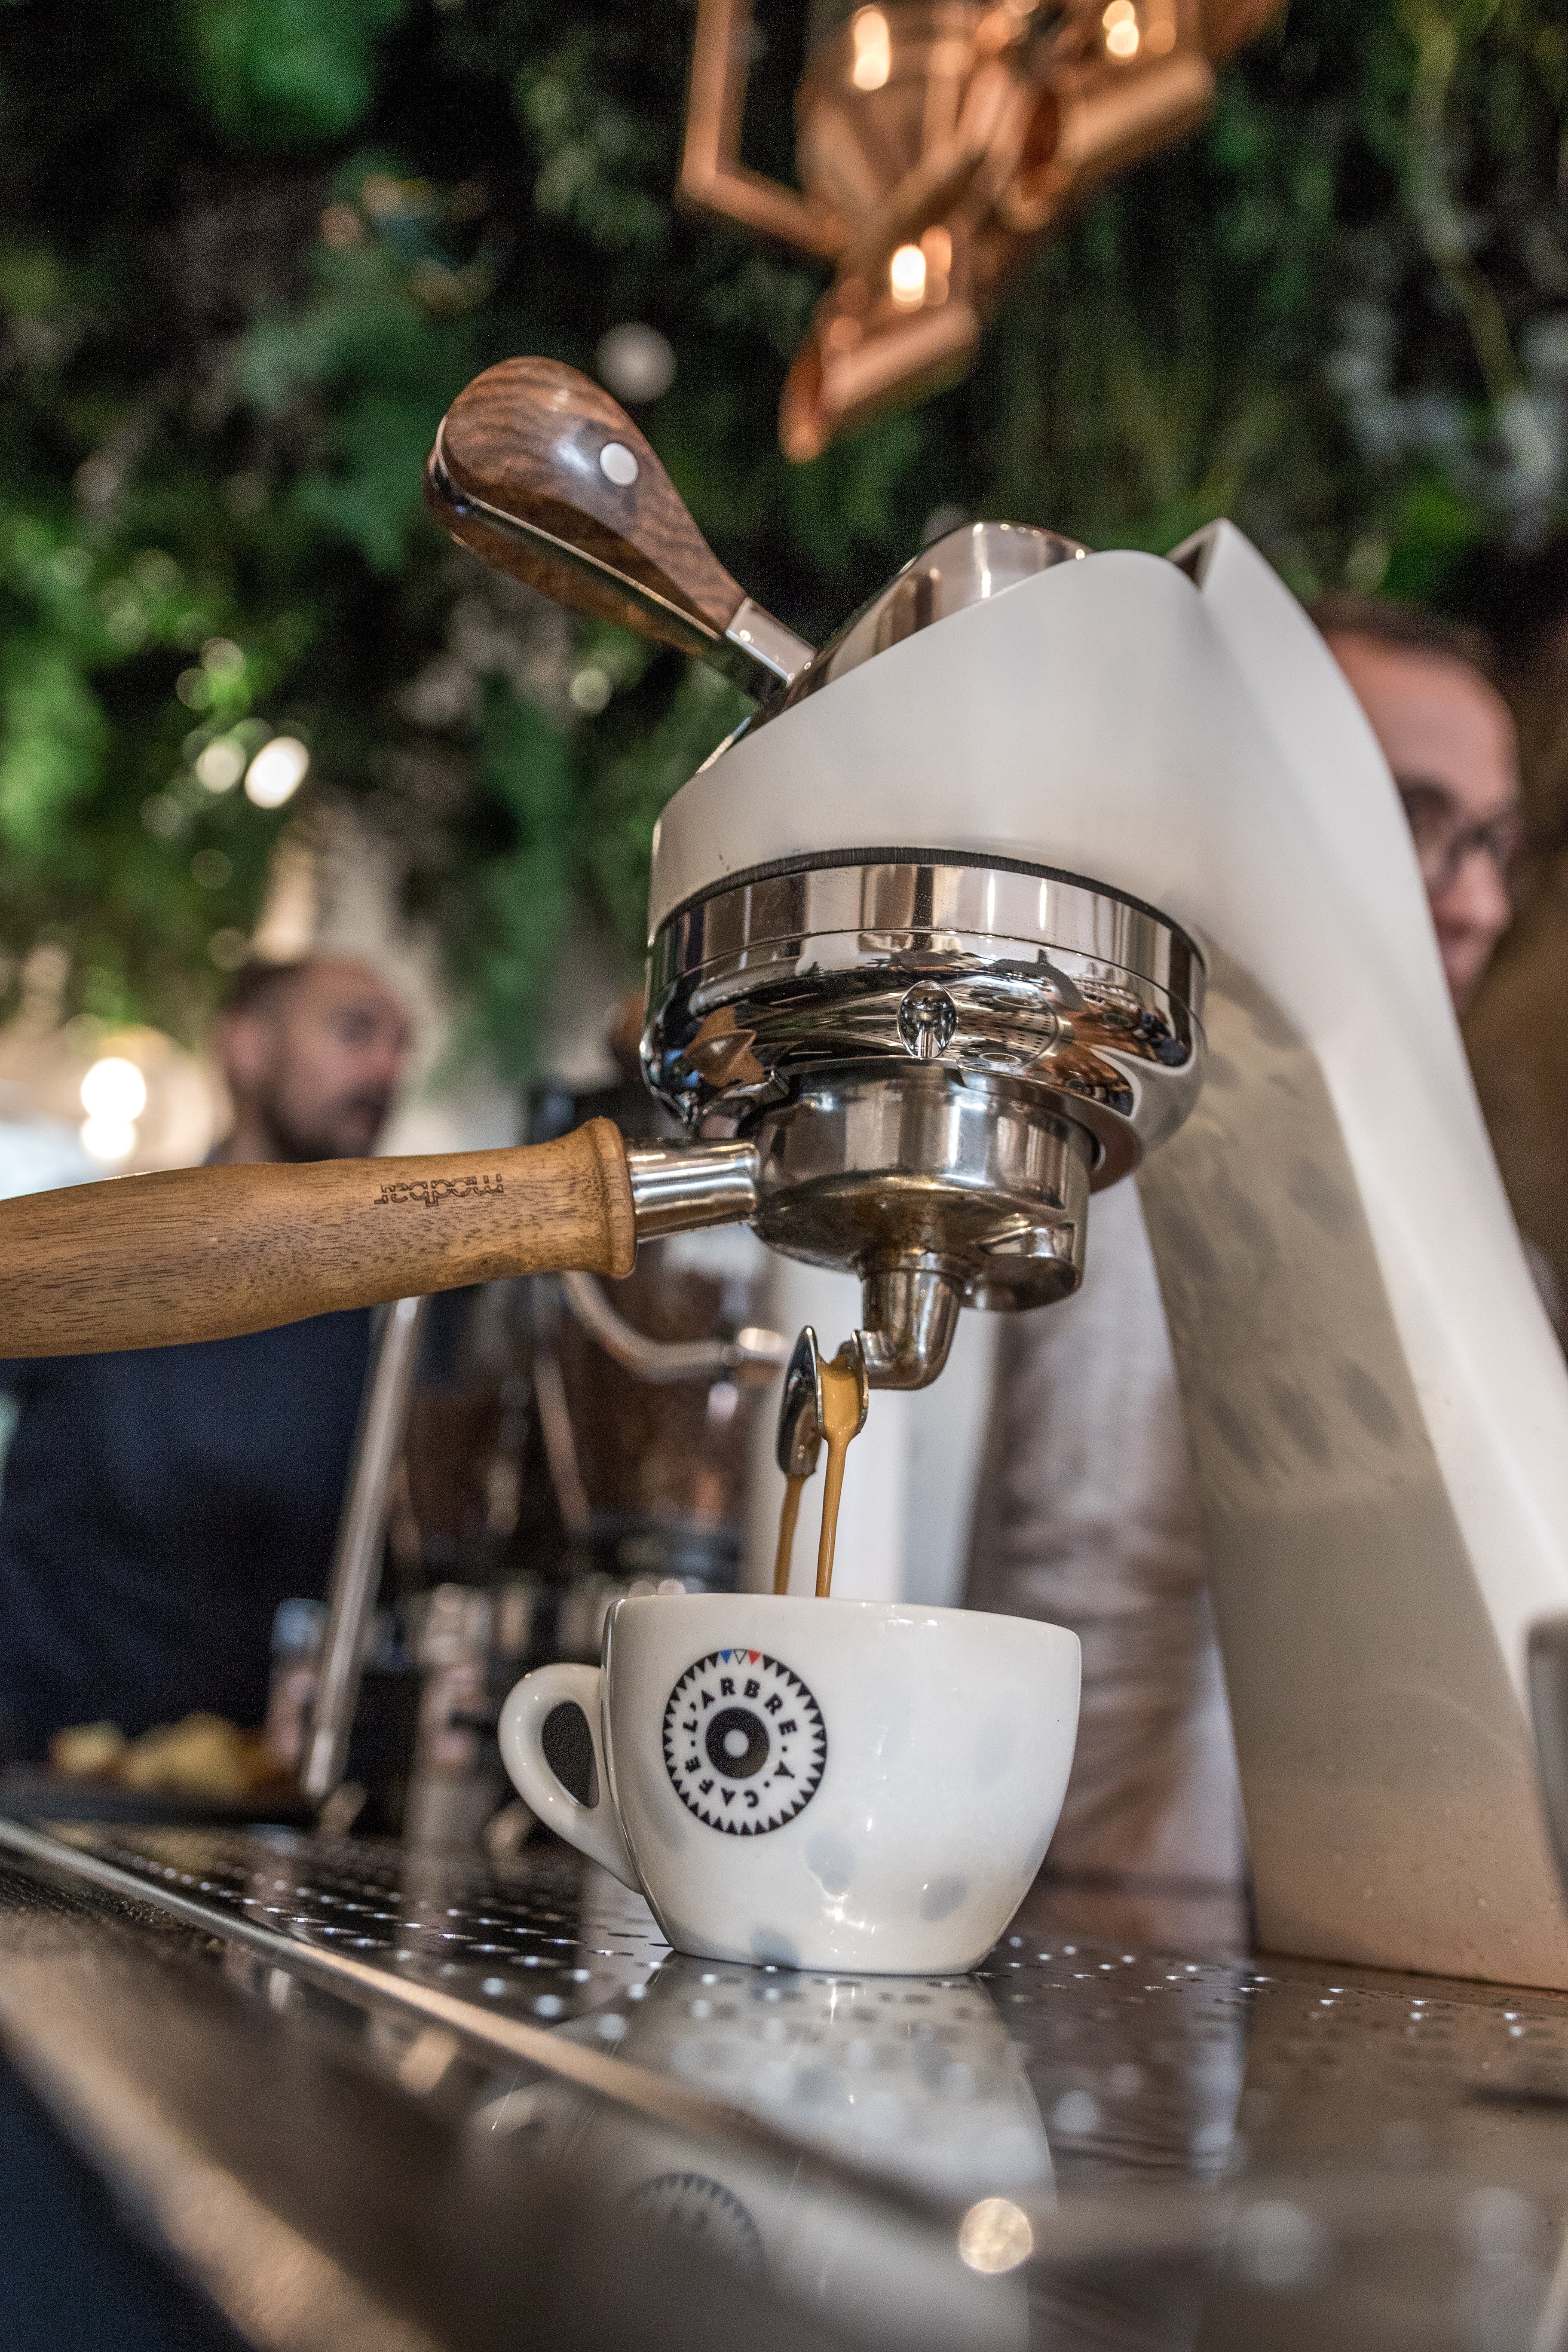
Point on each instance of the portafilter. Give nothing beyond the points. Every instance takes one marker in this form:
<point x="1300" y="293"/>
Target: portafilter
<point x="907" y="1061"/>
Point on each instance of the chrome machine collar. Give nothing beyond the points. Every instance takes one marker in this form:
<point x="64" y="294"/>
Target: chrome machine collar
<point x="888" y="957"/>
<point x="933" y="1060"/>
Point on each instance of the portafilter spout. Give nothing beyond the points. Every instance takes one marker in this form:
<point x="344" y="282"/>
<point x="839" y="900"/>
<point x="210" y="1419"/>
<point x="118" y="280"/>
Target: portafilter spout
<point x="798" y="1443"/>
<point x="797" y="1446"/>
<point x="909" y="1315"/>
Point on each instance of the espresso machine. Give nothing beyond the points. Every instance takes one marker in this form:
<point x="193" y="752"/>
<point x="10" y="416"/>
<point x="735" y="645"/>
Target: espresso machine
<point x="1053" y="869"/>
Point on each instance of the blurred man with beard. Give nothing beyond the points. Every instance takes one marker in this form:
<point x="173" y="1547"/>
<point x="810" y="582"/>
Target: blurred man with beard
<point x="158" y="1505"/>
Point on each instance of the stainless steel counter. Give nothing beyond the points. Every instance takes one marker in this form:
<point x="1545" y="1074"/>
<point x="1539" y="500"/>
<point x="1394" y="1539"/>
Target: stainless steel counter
<point x="375" y="2098"/>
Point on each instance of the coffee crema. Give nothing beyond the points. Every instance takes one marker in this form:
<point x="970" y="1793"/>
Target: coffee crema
<point x="841" y="1422"/>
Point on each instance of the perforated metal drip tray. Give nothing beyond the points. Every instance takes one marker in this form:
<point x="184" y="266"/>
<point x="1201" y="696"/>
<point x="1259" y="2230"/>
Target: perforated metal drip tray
<point x="1089" y="2142"/>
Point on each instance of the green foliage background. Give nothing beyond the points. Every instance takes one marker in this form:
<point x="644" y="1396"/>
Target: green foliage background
<point x="249" y="249"/>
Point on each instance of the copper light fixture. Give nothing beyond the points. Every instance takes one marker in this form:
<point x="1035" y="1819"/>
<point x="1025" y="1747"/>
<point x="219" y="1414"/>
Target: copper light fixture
<point x="936" y="140"/>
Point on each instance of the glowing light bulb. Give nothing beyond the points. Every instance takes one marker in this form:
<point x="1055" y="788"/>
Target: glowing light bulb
<point x="1121" y="34"/>
<point x="114" y="1090"/>
<point x="907" y="277"/>
<point x="873" y="50"/>
<point x="277" y="773"/>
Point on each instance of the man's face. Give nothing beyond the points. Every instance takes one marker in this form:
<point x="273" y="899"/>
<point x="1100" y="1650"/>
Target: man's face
<point x="319" y="1065"/>
<point x="1448" y="738"/>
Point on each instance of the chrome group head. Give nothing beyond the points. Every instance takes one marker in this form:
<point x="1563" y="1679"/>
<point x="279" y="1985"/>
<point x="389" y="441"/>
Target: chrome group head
<point x="923" y="1064"/>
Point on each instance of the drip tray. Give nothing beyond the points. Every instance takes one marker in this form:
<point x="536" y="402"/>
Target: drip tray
<point x="1123" y="2129"/>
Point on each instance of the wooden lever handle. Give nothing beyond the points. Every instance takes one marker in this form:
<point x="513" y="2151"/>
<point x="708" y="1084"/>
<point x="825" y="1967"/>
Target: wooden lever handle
<point x="206" y="1253"/>
<point x="597" y="524"/>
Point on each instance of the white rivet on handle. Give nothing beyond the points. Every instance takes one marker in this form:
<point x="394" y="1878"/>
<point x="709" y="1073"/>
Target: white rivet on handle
<point x="617" y="465"/>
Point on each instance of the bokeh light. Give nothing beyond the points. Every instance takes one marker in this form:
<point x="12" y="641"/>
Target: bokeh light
<point x="590" y="689"/>
<point x="114" y="1090"/>
<point x="1121" y="33"/>
<point x="907" y="276"/>
<point x="115" y="1095"/>
<point x="221" y="765"/>
<point x="162" y="814"/>
<point x="636" y="362"/>
<point x="872" y="41"/>
<point x="108" y="1138"/>
<point x="994" y="2236"/>
<point x="277" y="773"/>
<point x="228" y="948"/>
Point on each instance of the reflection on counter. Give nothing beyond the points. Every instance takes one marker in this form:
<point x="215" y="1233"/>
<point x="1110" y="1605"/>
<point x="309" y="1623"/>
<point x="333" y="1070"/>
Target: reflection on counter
<point x="909" y="2078"/>
<point x="1093" y="2143"/>
<point x="902" y="2079"/>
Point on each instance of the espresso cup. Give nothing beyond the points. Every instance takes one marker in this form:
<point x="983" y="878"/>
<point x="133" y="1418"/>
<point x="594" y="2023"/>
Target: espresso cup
<point x="857" y="1785"/>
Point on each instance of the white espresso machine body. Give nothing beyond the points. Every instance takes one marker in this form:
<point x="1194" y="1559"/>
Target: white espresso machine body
<point x="1377" y="1407"/>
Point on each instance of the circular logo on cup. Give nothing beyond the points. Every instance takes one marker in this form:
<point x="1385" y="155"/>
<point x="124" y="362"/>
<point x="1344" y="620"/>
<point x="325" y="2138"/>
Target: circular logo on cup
<point x="744" y="1742"/>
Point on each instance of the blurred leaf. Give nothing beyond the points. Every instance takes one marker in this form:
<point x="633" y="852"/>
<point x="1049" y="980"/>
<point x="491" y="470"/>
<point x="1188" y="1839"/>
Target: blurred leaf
<point x="524" y="896"/>
<point x="284" y="72"/>
<point x="52" y="736"/>
<point x="253" y="249"/>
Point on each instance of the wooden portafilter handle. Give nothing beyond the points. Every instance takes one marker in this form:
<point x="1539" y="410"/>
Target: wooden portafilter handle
<point x="538" y="471"/>
<point x="208" y="1252"/>
<point x="548" y="451"/>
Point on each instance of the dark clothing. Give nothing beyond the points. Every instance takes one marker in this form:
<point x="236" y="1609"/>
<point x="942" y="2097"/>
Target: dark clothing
<point x="156" y="1508"/>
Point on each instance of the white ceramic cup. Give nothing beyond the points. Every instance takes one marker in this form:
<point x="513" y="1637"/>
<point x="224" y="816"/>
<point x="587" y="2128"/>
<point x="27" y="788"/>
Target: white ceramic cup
<point x="843" y="1784"/>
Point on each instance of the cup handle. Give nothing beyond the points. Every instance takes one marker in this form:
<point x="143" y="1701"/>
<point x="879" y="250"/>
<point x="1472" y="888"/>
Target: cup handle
<point x="592" y="1829"/>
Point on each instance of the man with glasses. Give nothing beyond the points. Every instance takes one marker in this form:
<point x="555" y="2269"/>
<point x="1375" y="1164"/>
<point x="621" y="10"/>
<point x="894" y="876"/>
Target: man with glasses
<point x="1426" y="686"/>
<point x="1087" y="1516"/>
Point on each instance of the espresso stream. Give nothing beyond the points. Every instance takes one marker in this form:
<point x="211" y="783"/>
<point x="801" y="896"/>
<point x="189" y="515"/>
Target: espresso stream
<point x="840" y="1419"/>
